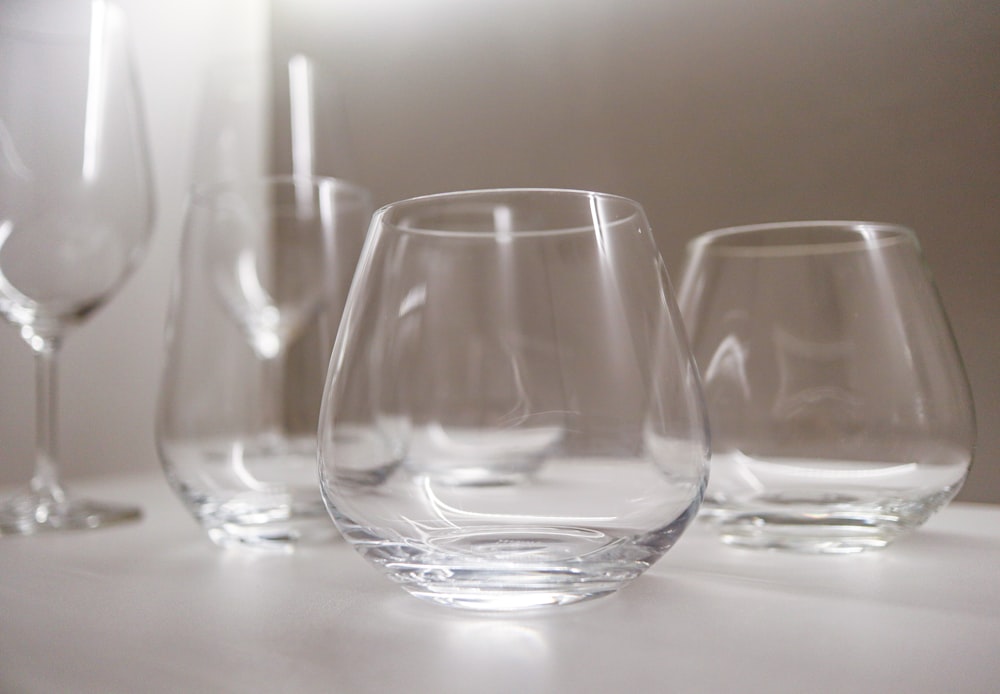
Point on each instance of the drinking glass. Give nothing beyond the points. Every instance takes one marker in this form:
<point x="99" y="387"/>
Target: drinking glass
<point x="76" y="208"/>
<point x="253" y="118"/>
<point x="841" y="415"/>
<point x="512" y="418"/>
<point x="264" y="270"/>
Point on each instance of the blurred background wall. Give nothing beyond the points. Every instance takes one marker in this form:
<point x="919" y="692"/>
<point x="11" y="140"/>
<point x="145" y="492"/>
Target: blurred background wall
<point x="110" y="366"/>
<point x="709" y="113"/>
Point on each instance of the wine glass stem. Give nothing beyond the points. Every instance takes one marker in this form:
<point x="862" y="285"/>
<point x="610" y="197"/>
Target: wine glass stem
<point x="272" y="397"/>
<point x="45" y="482"/>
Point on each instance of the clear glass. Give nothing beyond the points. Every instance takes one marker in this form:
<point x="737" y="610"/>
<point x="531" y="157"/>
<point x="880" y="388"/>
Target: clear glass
<point x="264" y="271"/>
<point x="512" y="418"/>
<point x="255" y="119"/>
<point x="76" y="209"/>
<point x="841" y="414"/>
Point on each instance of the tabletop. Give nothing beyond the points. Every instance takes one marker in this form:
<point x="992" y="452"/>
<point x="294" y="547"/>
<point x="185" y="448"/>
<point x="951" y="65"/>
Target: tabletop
<point x="155" y="607"/>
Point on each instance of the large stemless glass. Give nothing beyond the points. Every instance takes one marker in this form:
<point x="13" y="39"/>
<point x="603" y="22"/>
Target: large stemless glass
<point x="512" y="418"/>
<point x="841" y="415"/>
<point x="76" y="207"/>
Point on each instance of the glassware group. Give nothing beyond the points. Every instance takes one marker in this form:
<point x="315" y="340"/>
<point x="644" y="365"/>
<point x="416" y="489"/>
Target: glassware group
<point x="511" y="416"/>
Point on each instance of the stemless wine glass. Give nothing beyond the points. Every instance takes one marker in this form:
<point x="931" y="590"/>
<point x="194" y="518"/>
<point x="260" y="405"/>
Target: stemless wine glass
<point x="76" y="208"/>
<point x="263" y="275"/>
<point x="841" y="415"/>
<point x="512" y="418"/>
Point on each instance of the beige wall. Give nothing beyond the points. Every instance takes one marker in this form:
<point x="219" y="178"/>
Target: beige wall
<point x="709" y="113"/>
<point x="110" y="366"/>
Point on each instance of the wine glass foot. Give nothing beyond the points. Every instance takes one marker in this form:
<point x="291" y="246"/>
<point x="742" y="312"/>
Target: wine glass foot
<point x="28" y="514"/>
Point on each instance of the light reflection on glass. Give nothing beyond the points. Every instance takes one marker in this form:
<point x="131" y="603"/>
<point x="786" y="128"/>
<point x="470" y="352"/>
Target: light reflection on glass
<point x="96" y="92"/>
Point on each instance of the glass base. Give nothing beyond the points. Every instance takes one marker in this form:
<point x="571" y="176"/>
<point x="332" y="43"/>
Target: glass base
<point x="507" y="569"/>
<point x="279" y="536"/>
<point x="275" y="522"/>
<point x="827" y="525"/>
<point x="29" y="513"/>
<point x="830" y="536"/>
<point x="499" y="590"/>
<point x="261" y="493"/>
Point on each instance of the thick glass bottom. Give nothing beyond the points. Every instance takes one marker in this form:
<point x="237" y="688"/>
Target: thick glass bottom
<point x="268" y="522"/>
<point x="819" y="524"/>
<point x="575" y="530"/>
<point x="506" y="591"/>
<point x="509" y="568"/>
<point x="261" y="493"/>
<point x="282" y="536"/>
<point x="29" y="513"/>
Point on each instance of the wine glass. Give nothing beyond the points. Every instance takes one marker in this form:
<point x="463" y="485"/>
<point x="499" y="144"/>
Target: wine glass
<point x="841" y="414"/>
<point x="255" y="118"/>
<point x="512" y="418"/>
<point x="266" y="249"/>
<point x="76" y="208"/>
<point x="262" y="279"/>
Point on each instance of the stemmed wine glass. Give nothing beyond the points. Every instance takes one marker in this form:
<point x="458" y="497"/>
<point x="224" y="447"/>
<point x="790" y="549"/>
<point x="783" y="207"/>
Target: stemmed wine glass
<point x="76" y="208"/>
<point x="267" y="276"/>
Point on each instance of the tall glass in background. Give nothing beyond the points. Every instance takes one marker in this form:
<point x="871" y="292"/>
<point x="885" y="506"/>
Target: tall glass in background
<point x="841" y="414"/>
<point x="263" y="275"/>
<point x="255" y="120"/>
<point x="512" y="418"/>
<point x="76" y="209"/>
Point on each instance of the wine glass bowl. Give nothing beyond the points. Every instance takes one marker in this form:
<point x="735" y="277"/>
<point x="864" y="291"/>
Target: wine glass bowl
<point x="46" y="292"/>
<point x="76" y="207"/>
<point x="270" y="296"/>
<point x="511" y="418"/>
<point x="841" y="415"/>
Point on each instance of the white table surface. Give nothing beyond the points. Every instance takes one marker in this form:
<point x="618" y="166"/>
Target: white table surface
<point x="154" y="607"/>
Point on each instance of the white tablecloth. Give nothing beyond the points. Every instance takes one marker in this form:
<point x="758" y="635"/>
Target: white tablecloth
<point x="154" y="607"/>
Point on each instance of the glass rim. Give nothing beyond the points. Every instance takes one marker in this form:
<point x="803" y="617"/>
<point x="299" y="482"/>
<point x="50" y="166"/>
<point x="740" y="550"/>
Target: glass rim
<point x="852" y="235"/>
<point x="200" y="193"/>
<point x="496" y="195"/>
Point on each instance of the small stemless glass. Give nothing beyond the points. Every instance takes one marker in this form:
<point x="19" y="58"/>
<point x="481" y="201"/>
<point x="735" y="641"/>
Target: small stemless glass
<point x="264" y="271"/>
<point x="841" y="414"/>
<point x="512" y="418"/>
